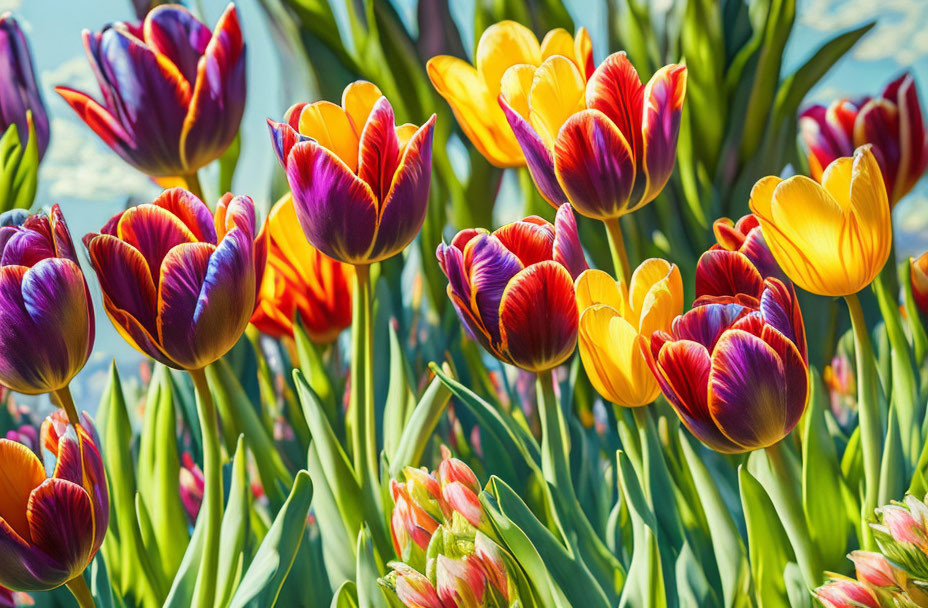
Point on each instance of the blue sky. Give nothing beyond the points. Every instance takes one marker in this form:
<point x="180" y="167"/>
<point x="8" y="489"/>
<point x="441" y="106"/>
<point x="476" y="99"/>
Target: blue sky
<point x="91" y="183"/>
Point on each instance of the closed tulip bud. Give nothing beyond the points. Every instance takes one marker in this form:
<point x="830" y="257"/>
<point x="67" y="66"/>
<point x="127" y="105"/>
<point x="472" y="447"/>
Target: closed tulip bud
<point x="178" y="283"/>
<point x="52" y="526"/>
<point x="19" y="92"/>
<point x="461" y="583"/>
<point x="832" y="238"/>
<point x="413" y="589"/>
<point x="494" y="564"/>
<point x="919" y="277"/>
<point x="607" y="146"/>
<point x="192" y="484"/>
<point x="903" y="527"/>
<point x="472" y="91"/>
<point x="513" y="288"/>
<point x="616" y="322"/>
<point x="299" y="279"/>
<point x="411" y="526"/>
<point x="842" y="592"/>
<point x="173" y="92"/>
<point x="873" y="568"/>
<point x="464" y="501"/>
<point x="360" y="183"/>
<point x="738" y="263"/>
<point x="452" y="469"/>
<point x="736" y="370"/>
<point x="45" y="307"/>
<point x="892" y="122"/>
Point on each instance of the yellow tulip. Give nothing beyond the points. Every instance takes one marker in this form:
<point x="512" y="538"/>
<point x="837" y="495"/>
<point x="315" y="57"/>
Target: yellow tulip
<point x="617" y="321"/>
<point x="472" y="92"/>
<point x="830" y="239"/>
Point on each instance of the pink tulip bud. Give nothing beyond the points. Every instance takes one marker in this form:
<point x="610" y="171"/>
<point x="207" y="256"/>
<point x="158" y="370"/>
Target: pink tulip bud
<point x="413" y="589"/>
<point x="903" y="527"/>
<point x="411" y="525"/>
<point x="452" y="469"/>
<point x="462" y="499"/>
<point x="461" y="583"/>
<point x="873" y="568"/>
<point x="191" y="486"/>
<point x="491" y="558"/>
<point x="846" y="593"/>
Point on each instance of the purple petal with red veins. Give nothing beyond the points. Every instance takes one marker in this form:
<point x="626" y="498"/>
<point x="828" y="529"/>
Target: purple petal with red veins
<point x="218" y="99"/>
<point x="538" y="157"/>
<point x="283" y="139"/>
<point x="756" y="250"/>
<point x="338" y="211"/>
<point x="451" y="261"/>
<point x="528" y="241"/>
<point x="594" y="165"/>
<point x="752" y="397"/>
<point x="61" y="523"/>
<point x="663" y="105"/>
<point x="379" y="149"/>
<point x="102" y="122"/>
<point x="705" y="324"/>
<point x="61" y="236"/>
<point x="402" y="213"/>
<point x="25" y="247"/>
<point x="780" y="309"/>
<point x="23" y="566"/>
<point x="153" y="231"/>
<point x="538" y="317"/>
<point x="720" y="272"/>
<point x="912" y="137"/>
<point x="878" y="124"/>
<point x="191" y="211"/>
<point x="174" y="32"/>
<point x="69" y="464"/>
<point x="567" y="248"/>
<point x="473" y="325"/>
<point x="490" y="267"/>
<point x="182" y="276"/>
<point x="124" y="278"/>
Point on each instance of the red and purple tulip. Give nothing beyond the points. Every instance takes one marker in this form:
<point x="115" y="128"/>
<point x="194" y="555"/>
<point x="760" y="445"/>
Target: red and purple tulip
<point x="178" y="283"/>
<point x="360" y="183"/>
<point x="736" y="369"/>
<point x="892" y="122"/>
<point x="173" y="92"/>
<point x="513" y="288"/>
<point x="19" y="93"/>
<point x="46" y="316"/>
<point x="51" y="527"/>
<point x="616" y="153"/>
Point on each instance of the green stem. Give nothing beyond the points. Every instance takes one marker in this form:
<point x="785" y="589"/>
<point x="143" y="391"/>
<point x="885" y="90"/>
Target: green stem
<point x="192" y="181"/>
<point x="786" y="500"/>
<point x="919" y="337"/>
<point x="81" y="592"/>
<point x="617" y="247"/>
<point x="66" y="402"/>
<point x="555" y="441"/>
<point x="361" y="406"/>
<point x="205" y="591"/>
<point x="871" y="432"/>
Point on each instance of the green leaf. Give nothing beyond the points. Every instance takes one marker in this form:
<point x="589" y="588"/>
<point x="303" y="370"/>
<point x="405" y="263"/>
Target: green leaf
<point x="185" y="581"/>
<point x="644" y="585"/>
<point x="420" y="426"/>
<point x="265" y="576"/>
<point x="767" y="543"/>
<point x="19" y="168"/>
<point x="369" y="592"/>
<point x="227" y="163"/>
<point x="400" y="398"/>
<point x="703" y="45"/>
<point x="346" y="596"/>
<point x="335" y="528"/>
<point x="234" y="531"/>
<point x="100" y="586"/>
<point x="892" y="467"/>
<point x="314" y="370"/>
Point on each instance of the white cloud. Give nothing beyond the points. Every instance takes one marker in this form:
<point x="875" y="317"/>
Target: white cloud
<point x="901" y="32"/>
<point x="10" y="5"/>
<point x="74" y="72"/>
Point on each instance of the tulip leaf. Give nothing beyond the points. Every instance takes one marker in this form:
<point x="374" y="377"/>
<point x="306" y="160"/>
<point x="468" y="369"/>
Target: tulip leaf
<point x="400" y="398"/>
<point x="645" y="581"/>
<point x="420" y="426"/>
<point x="515" y="523"/>
<point x="19" y="168"/>
<point x="100" y="586"/>
<point x="370" y="594"/>
<point x="693" y="588"/>
<point x="346" y="596"/>
<point x="768" y="546"/>
<point x="336" y="527"/>
<point x="314" y="370"/>
<point x="185" y="581"/>
<point x="821" y="481"/>
<point x="235" y="525"/>
<point x="892" y="467"/>
<point x="273" y="559"/>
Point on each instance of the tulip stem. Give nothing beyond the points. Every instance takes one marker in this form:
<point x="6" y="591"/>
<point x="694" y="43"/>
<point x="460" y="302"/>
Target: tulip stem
<point x="192" y="182"/>
<point x="617" y="247"/>
<point x="66" y="402"/>
<point x="205" y="591"/>
<point x="555" y="441"/>
<point x="871" y="432"/>
<point x="786" y="501"/>
<point x="361" y="405"/>
<point x="81" y="592"/>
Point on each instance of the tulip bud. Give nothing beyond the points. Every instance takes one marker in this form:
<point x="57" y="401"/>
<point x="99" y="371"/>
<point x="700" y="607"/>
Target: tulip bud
<point x="494" y="565"/>
<point x="873" y="568"/>
<point x="464" y="501"/>
<point x="903" y="527"/>
<point x="452" y="469"/>
<point x="191" y="486"/>
<point x="413" y="589"/>
<point x="846" y="593"/>
<point x="461" y="583"/>
<point x="411" y="526"/>
<point x="19" y="93"/>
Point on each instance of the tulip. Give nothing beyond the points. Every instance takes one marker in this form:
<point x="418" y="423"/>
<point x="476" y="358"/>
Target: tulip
<point x="472" y="91"/>
<point x="173" y="93"/>
<point x="494" y="565"/>
<point x="842" y="592"/>
<point x="919" y="278"/>
<point x="616" y="322"/>
<point x="411" y="526"/>
<point x="360" y="184"/>
<point x="413" y="589"/>
<point x="453" y="470"/>
<point x="19" y="93"/>
<point x="513" y="288"/>
<point x="191" y="486"/>
<point x="841" y="383"/>
<point x="45" y="307"/>
<point x="736" y="374"/>
<point x="178" y="283"/>
<point x="873" y="568"/>
<point x="300" y="279"/>
<point x="738" y="263"/>
<point x="831" y="239"/>
<point x="461" y="583"/>
<point x="893" y="123"/>
<point x="52" y="526"/>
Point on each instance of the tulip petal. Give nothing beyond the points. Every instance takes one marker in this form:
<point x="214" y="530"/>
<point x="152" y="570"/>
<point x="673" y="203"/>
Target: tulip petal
<point x="491" y="267"/>
<point x="25" y="247"/>
<point x="218" y="99"/>
<point x="648" y="274"/>
<point x="610" y="347"/>
<point x="153" y="231"/>
<point x="358" y="100"/>
<point x="538" y="156"/>
<point x="501" y="45"/>
<point x="451" y="261"/>
<point x="402" y="212"/>
<point x="557" y="42"/>
<point x="583" y="49"/>
<point x="567" y="248"/>
<point x="780" y="309"/>
<point x="594" y="165"/>
<point x="878" y="124"/>
<point x="515" y="88"/>
<point x="331" y="127"/>
<point x="756" y="397"/>
<point x="530" y="242"/>
<point x="538" y="317"/>
<point x="872" y="211"/>
<point x="101" y="121"/>
<point x="182" y="275"/>
<point x="913" y="142"/>
<point x="20" y="474"/>
<point x="757" y="251"/>
<point x="24" y="566"/>
<point x="556" y="94"/>
<point x="379" y="153"/>
<point x="61" y="523"/>
<point x="663" y="106"/>
<point x="283" y="138"/>
<point x="705" y="324"/>
<point x="338" y="211"/>
<point x="720" y="272"/>
<point x="682" y="370"/>
<point x="191" y="211"/>
<point x="60" y="235"/>
<point x="616" y="90"/>
<point x="174" y="32"/>
<point x="597" y="287"/>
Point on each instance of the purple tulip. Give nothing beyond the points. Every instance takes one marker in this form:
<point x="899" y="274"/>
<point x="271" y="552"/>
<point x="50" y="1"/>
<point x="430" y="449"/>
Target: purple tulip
<point x="18" y="91"/>
<point x="46" y="317"/>
<point x="173" y="92"/>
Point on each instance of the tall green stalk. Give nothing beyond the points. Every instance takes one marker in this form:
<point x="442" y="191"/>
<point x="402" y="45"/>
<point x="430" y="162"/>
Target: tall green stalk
<point x="81" y="592"/>
<point x="871" y="432"/>
<point x="361" y="406"/>
<point x="66" y="402"/>
<point x="204" y="594"/>
<point x="617" y="248"/>
<point x="555" y="439"/>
